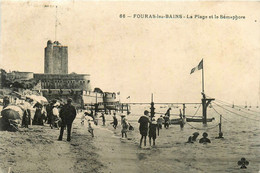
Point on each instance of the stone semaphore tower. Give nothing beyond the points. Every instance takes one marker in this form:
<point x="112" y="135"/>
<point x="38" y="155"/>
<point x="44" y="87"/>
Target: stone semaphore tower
<point x="56" y="58"/>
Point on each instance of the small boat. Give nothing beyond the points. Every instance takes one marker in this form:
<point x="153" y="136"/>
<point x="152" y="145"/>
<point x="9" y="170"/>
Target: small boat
<point x="199" y="119"/>
<point x="176" y="121"/>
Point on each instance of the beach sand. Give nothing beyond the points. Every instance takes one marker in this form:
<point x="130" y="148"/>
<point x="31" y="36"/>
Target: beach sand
<point x="37" y="150"/>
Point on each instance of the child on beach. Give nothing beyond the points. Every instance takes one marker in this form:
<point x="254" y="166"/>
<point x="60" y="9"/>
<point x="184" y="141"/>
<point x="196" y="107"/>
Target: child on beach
<point x="90" y="129"/>
<point x="115" y="121"/>
<point x="143" y="127"/>
<point x="159" y="123"/>
<point x="124" y="127"/>
<point x="103" y="119"/>
<point x="152" y="131"/>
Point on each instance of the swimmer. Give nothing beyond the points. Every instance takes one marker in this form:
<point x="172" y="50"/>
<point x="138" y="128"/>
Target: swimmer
<point x="204" y="139"/>
<point x="195" y="135"/>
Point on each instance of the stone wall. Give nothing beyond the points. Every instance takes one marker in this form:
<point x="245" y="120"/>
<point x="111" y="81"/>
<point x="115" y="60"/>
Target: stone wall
<point x="64" y="81"/>
<point x="19" y="76"/>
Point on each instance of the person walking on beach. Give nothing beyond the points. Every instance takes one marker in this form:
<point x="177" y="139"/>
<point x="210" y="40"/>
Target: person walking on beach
<point x="91" y="114"/>
<point x="67" y="115"/>
<point x="204" y="139"/>
<point x="103" y="119"/>
<point x="152" y="131"/>
<point x="159" y="123"/>
<point x="143" y="127"/>
<point x="166" y="121"/>
<point x="115" y="121"/>
<point x="125" y="126"/>
<point x="90" y="129"/>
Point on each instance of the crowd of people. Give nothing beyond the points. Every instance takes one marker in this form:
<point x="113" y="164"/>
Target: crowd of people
<point x="61" y="116"/>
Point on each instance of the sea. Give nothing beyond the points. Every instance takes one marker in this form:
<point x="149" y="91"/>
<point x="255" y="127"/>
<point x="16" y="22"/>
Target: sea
<point x="241" y="131"/>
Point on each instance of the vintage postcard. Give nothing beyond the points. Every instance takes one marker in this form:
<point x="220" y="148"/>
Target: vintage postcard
<point x="129" y="86"/>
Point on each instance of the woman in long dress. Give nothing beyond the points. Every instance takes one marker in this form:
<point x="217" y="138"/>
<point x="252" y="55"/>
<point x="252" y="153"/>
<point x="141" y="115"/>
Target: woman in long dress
<point x="38" y="117"/>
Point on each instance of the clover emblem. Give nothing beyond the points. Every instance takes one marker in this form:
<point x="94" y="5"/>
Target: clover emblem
<point x="243" y="163"/>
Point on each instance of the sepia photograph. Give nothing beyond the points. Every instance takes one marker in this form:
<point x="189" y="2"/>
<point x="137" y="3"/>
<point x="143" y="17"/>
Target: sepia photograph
<point x="163" y="86"/>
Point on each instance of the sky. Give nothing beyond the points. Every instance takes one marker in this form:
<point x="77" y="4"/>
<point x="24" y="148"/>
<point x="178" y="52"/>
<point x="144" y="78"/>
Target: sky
<point x="139" y="56"/>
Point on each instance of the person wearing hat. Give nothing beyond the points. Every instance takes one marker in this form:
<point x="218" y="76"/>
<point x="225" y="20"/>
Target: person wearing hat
<point x="67" y="115"/>
<point x="152" y="131"/>
<point x="55" y="116"/>
<point x="38" y="116"/>
<point x="204" y="139"/>
<point x="143" y="127"/>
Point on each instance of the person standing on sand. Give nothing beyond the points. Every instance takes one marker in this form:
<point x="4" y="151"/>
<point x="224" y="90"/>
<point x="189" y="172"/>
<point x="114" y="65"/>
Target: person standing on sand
<point x="115" y="121"/>
<point x="38" y="116"/>
<point x="25" y="119"/>
<point x="67" y="115"/>
<point x="90" y="129"/>
<point x="159" y="123"/>
<point x="55" y="116"/>
<point x="103" y="119"/>
<point x="152" y="131"/>
<point x="166" y="121"/>
<point x="6" y="101"/>
<point x="124" y="127"/>
<point x="49" y="110"/>
<point x="143" y="127"/>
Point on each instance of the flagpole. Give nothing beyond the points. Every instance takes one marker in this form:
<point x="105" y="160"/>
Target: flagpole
<point x="203" y="77"/>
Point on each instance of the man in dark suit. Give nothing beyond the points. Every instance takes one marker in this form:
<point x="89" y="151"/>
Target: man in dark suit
<point x="67" y="115"/>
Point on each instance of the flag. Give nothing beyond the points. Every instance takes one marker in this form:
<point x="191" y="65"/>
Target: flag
<point x="118" y="93"/>
<point x="199" y="67"/>
<point x="128" y="97"/>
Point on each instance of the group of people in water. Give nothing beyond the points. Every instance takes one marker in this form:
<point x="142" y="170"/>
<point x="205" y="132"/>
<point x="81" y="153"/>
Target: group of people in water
<point x="147" y="127"/>
<point x="194" y="136"/>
